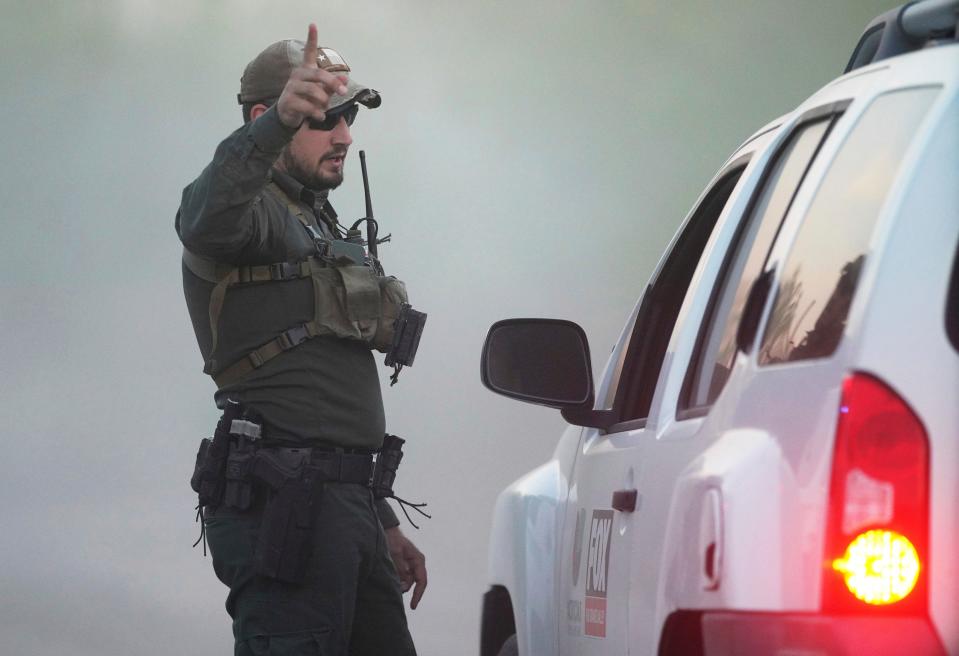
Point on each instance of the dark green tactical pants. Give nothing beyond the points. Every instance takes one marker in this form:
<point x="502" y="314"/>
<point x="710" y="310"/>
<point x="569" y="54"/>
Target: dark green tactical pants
<point x="350" y="601"/>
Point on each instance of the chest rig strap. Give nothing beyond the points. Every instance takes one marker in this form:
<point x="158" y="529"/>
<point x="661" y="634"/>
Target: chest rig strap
<point x="223" y="276"/>
<point x="260" y="356"/>
<point x="349" y="301"/>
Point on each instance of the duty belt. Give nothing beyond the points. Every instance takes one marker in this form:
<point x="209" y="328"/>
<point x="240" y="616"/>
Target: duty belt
<point x="330" y="465"/>
<point x="237" y="467"/>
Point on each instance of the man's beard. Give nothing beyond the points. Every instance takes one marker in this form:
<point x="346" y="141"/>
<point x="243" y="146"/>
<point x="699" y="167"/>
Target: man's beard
<point x="313" y="179"/>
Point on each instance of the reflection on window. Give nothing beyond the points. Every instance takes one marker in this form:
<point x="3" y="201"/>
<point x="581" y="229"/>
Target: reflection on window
<point x="823" y="266"/>
<point x="718" y="347"/>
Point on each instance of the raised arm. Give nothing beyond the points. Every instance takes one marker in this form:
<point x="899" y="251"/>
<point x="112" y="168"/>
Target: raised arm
<point x="218" y="215"/>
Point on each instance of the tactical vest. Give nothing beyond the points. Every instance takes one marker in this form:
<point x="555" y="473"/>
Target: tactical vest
<point x="348" y="301"/>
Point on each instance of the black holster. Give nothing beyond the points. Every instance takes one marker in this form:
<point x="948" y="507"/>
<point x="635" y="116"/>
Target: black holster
<point x="284" y="541"/>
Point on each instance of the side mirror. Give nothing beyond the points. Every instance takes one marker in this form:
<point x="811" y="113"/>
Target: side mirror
<point x="542" y="361"/>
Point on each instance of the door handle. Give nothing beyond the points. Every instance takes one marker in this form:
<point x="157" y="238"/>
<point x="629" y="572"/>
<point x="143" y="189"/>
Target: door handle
<point x="624" y="500"/>
<point x="711" y="539"/>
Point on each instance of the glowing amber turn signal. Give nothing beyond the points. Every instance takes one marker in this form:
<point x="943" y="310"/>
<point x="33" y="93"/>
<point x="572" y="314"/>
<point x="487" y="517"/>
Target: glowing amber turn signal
<point x="880" y="567"/>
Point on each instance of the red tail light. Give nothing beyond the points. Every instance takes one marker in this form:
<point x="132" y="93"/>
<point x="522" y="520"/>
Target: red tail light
<point x="878" y="524"/>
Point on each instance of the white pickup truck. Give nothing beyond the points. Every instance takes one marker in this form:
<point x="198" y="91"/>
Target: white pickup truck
<point x="770" y="461"/>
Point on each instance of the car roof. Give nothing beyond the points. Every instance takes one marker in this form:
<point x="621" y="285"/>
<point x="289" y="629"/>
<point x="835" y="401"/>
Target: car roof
<point x="907" y="28"/>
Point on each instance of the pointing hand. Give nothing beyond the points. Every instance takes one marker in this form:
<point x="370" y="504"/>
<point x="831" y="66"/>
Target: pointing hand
<point x="307" y="93"/>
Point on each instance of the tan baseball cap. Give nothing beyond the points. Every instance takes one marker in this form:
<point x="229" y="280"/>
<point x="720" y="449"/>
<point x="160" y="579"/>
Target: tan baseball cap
<point x="265" y="76"/>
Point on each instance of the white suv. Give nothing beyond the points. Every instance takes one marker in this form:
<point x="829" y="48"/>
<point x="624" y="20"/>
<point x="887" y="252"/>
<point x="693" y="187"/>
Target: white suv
<point x="770" y="463"/>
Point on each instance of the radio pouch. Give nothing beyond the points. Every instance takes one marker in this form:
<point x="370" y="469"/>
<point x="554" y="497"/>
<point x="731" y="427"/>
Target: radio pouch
<point x="407" y="330"/>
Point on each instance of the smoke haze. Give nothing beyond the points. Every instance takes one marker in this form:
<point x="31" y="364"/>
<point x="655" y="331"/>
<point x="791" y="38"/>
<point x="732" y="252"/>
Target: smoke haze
<point x="529" y="159"/>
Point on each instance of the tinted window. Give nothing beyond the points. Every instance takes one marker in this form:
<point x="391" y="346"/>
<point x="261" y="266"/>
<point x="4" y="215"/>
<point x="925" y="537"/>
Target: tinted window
<point x="824" y="264"/>
<point x="662" y="302"/>
<point x="716" y="347"/>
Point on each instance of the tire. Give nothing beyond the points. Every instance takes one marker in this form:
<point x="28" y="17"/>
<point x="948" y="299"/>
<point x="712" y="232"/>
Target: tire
<point x="509" y="648"/>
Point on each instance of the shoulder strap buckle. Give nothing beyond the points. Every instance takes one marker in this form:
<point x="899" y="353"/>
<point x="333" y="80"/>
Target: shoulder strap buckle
<point x="293" y="337"/>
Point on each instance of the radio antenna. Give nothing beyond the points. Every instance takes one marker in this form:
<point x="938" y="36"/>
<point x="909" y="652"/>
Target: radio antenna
<point x="371" y="227"/>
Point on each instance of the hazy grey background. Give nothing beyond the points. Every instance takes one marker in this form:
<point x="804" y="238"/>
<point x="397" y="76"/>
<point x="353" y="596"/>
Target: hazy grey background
<point x="530" y="158"/>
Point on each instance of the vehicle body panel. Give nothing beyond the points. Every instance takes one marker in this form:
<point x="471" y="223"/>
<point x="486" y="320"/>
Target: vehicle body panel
<point x="731" y="502"/>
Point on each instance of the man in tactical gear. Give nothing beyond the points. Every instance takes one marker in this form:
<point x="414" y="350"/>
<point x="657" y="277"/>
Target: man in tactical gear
<point x="285" y="323"/>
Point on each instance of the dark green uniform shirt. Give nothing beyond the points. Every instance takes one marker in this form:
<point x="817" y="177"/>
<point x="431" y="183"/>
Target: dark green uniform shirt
<point x="326" y="390"/>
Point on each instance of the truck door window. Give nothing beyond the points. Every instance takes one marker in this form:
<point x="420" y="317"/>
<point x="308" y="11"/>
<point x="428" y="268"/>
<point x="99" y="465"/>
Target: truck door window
<point x="662" y="301"/>
<point x="716" y="344"/>
<point x="820" y="274"/>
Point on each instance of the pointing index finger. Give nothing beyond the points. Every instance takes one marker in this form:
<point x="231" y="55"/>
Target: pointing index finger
<point x="309" y="51"/>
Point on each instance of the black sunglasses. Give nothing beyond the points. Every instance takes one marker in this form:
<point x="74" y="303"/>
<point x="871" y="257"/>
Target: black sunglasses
<point x="333" y="117"/>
